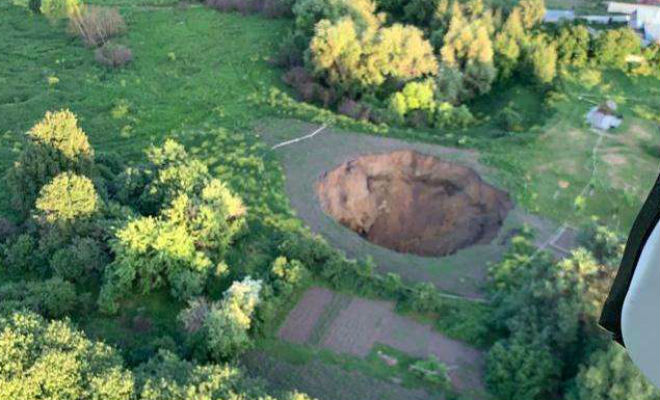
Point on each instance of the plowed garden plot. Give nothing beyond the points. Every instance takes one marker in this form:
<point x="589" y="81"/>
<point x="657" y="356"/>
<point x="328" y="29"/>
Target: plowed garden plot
<point x="301" y="321"/>
<point x="327" y="382"/>
<point x="356" y="326"/>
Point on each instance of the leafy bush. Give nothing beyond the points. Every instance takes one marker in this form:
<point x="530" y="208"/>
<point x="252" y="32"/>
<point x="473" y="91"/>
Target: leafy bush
<point x="414" y="96"/>
<point x="52" y="298"/>
<point x="449" y="116"/>
<point x="185" y="242"/>
<point x="21" y="255"/>
<point x="433" y="371"/>
<point x="56" y="144"/>
<point x="220" y="329"/>
<point x="52" y="360"/>
<point x="113" y="55"/>
<point x="66" y="198"/>
<point x="517" y="369"/>
<point x="510" y="119"/>
<point x="59" y="8"/>
<point x="96" y="25"/>
<point x="79" y="259"/>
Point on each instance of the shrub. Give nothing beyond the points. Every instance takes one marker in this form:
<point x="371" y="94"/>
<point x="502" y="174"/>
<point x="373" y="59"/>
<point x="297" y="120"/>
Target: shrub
<point x="21" y="255"/>
<point x="308" y="90"/>
<point x="354" y="109"/>
<point x="220" y="329"/>
<point x="433" y="371"/>
<point x="277" y="8"/>
<point x="242" y="6"/>
<point x="113" y="55"/>
<point x="96" y="25"/>
<point x="66" y="198"/>
<point x="59" y="8"/>
<point x="449" y="116"/>
<point x="53" y="298"/>
<point x="510" y="119"/>
<point x="80" y="258"/>
<point x="414" y="96"/>
<point x="54" y="145"/>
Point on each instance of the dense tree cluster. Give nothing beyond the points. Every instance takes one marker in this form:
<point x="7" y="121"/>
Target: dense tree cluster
<point x="357" y="57"/>
<point x="95" y="233"/>
<point x="53" y="360"/>
<point x="367" y="62"/>
<point x="545" y="314"/>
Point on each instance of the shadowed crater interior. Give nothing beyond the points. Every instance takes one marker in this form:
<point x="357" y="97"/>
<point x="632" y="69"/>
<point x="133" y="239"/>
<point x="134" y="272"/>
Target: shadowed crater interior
<point x="413" y="203"/>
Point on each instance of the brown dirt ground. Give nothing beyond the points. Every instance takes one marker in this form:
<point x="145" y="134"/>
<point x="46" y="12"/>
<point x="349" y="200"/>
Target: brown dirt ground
<point x="299" y="324"/>
<point x="327" y="382"/>
<point x="363" y="323"/>
<point x="413" y="203"/>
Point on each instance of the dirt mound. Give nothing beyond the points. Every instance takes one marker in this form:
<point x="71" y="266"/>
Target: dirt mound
<point x="413" y="203"/>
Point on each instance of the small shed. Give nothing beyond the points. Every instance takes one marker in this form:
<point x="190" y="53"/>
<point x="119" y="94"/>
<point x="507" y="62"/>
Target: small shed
<point x="602" y="117"/>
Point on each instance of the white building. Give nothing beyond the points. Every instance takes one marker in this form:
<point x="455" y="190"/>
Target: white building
<point x="554" y="16"/>
<point x="643" y="17"/>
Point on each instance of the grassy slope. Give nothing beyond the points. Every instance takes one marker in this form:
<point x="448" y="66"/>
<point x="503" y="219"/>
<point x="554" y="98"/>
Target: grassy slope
<point x="194" y="73"/>
<point x="193" y="69"/>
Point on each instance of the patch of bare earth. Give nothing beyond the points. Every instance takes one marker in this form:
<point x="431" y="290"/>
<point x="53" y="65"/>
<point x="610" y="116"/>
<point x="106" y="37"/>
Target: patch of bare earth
<point x="299" y="324"/>
<point x="414" y="203"/>
<point x="325" y="381"/>
<point x="362" y="323"/>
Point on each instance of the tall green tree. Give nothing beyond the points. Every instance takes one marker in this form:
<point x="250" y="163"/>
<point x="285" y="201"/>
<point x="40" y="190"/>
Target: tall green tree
<point x="614" y="46"/>
<point x="532" y="12"/>
<point x="609" y="374"/>
<point x="178" y="248"/>
<point x="573" y="45"/>
<point x="54" y="145"/>
<point x="341" y="55"/>
<point x="51" y="360"/>
<point x="508" y="43"/>
<point x="402" y="53"/>
<point x="469" y="48"/>
<point x="541" y="59"/>
<point x="66" y="198"/>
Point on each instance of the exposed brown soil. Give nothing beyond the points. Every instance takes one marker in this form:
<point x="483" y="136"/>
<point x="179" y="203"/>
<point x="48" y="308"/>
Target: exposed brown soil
<point x="361" y="323"/>
<point x="413" y="203"/>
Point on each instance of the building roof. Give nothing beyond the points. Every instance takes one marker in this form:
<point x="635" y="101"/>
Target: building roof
<point x="558" y="15"/>
<point x="629" y="8"/>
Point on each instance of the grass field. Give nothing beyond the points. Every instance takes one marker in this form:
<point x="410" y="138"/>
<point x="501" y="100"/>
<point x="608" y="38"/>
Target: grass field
<point x="194" y="69"/>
